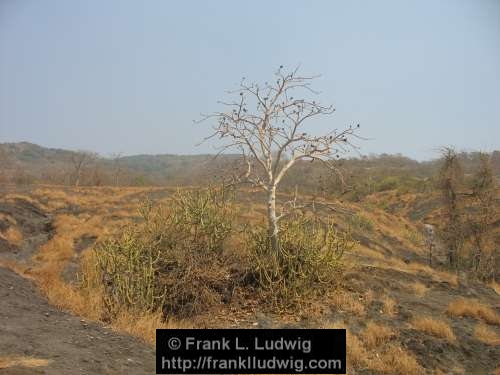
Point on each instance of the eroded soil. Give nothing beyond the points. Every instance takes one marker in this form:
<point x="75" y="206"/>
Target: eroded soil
<point x="32" y="329"/>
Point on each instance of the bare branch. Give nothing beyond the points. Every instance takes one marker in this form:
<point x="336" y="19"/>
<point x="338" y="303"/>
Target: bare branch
<point x="264" y="123"/>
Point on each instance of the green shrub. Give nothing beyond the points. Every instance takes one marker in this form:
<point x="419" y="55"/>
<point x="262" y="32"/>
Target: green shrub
<point x="173" y="260"/>
<point x="307" y="265"/>
<point x="128" y="266"/>
<point x="388" y="183"/>
<point x="204" y="217"/>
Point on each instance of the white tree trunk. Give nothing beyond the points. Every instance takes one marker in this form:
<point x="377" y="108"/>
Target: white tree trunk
<point x="77" y="180"/>
<point x="272" y="218"/>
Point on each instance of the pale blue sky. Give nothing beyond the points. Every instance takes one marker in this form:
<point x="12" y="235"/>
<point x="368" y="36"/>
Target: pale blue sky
<point x="131" y="76"/>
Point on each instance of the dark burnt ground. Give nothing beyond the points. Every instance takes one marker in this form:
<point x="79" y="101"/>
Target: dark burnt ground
<point x="79" y="245"/>
<point x="30" y="327"/>
<point x="474" y="356"/>
<point x="35" y="226"/>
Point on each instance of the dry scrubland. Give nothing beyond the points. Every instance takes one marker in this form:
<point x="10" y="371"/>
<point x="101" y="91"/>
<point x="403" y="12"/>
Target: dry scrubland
<point x="402" y="316"/>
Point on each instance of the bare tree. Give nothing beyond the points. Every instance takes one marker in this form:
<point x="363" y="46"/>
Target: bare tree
<point x="430" y="240"/>
<point x="117" y="168"/>
<point x="480" y="223"/>
<point x="450" y="178"/>
<point x="80" y="160"/>
<point x="98" y="175"/>
<point x="4" y="160"/>
<point x="265" y="124"/>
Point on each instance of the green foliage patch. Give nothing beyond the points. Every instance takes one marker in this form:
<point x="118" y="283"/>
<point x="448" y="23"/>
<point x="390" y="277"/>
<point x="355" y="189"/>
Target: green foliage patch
<point x="308" y="264"/>
<point x="173" y="261"/>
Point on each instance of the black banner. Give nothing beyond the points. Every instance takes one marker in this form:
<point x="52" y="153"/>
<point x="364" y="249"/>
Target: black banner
<point x="250" y="351"/>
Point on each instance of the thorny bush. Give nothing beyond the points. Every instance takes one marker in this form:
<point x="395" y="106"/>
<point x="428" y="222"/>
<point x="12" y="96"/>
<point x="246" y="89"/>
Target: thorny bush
<point x="308" y="264"/>
<point x="173" y="261"/>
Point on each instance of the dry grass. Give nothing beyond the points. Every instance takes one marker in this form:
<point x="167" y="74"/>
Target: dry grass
<point x="454" y="370"/>
<point x="376" y="335"/>
<point x="434" y="327"/>
<point x="51" y="259"/>
<point x="17" y="361"/>
<point x="67" y="297"/>
<point x="144" y="325"/>
<point x="389" y="305"/>
<point x="419" y="289"/>
<point x="53" y="256"/>
<point x="7" y="218"/>
<point x="369" y="297"/>
<point x="13" y="235"/>
<point x="19" y="268"/>
<point x="395" y="360"/>
<point x="14" y="196"/>
<point x="495" y="286"/>
<point x="385" y="357"/>
<point x="102" y="212"/>
<point x="418" y="268"/>
<point x="437" y="275"/>
<point x="355" y="351"/>
<point x="486" y="334"/>
<point x="97" y="199"/>
<point x="356" y="354"/>
<point x="473" y="308"/>
<point x="348" y="302"/>
<point x="370" y="253"/>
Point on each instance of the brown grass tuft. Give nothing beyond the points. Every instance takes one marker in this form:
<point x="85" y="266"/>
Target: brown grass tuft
<point x="389" y="305"/>
<point x="348" y="302"/>
<point x="368" y="297"/>
<point x="434" y="327"/>
<point x="17" y="267"/>
<point x="419" y="289"/>
<point x="18" y="361"/>
<point x="418" y="268"/>
<point x="495" y="286"/>
<point x="390" y="359"/>
<point x="376" y="335"/>
<point x="144" y="325"/>
<point x="356" y="353"/>
<point x="14" y="236"/>
<point x="487" y="335"/>
<point x="454" y="370"/>
<point x="473" y="308"/>
<point x="397" y="361"/>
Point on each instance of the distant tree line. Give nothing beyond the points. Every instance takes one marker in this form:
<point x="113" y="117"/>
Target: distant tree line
<point x="31" y="164"/>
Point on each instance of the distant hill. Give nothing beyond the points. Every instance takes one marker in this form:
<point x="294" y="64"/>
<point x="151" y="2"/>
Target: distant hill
<point x="25" y="162"/>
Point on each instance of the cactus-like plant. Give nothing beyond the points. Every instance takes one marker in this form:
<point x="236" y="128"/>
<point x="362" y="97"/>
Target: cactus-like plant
<point x="172" y="260"/>
<point x="308" y="264"/>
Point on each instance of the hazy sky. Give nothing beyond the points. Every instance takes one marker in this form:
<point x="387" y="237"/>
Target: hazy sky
<point x="131" y="76"/>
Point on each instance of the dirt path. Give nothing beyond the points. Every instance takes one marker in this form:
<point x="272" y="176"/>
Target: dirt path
<point x="33" y="333"/>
